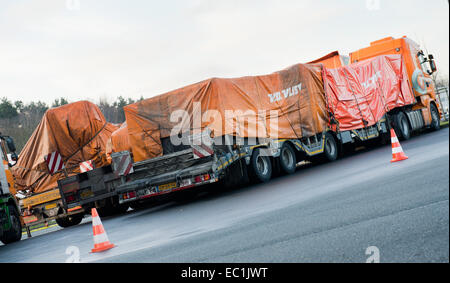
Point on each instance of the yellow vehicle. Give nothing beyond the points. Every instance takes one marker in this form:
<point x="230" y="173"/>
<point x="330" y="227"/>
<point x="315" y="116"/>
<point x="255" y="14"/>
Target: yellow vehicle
<point x="46" y="206"/>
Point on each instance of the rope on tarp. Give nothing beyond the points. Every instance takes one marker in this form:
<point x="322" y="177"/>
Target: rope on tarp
<point x="386" y="107"/>
<point x="368" y="105"/>
<point x="81" y="147"/>
<point x="357" y="103"/>
<point x="330" y="112"/>
<point x="32" y="186"/>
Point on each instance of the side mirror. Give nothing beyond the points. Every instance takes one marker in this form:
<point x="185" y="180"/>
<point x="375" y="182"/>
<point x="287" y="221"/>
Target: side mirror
<point x="14" y="157"/>
<point x="10" y="143"/>
<point x="432" y="63"/>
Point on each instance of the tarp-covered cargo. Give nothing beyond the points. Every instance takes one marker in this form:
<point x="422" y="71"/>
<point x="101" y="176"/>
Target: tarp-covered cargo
<point x="363" y="92"/>
<point x="292" y="98"/>
<point x="119" y="140"/>
<point x="78" y="131"/>
<point x="331" y="60"/>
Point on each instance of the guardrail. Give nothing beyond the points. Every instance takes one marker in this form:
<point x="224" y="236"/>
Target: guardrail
<point x="443" y="99"/>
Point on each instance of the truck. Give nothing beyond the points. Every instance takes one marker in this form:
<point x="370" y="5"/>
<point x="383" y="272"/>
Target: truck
<point x="10" y="220"/>
<point x="425" y="112"/>
<point x="157" y="166"/>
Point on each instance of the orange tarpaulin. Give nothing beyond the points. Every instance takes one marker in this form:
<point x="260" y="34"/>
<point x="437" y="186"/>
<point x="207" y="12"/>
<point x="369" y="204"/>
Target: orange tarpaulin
<point x="78" y="131"/>
<point x="286" y="104"/>
<point x="362" y="93"/>
<point x="331" y="61"/>
<point x="119" y="140"/>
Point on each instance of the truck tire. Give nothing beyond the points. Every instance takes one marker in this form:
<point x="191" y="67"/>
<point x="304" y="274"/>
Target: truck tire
<point x="69" y="221"/>
<point x="260" y="170"/>
<point x="401" y="126"/>
<point x="331" y="149"/>
<point x="435" y="119"/>
<point x="288" y="159"/>
<point x="15" y="233"/>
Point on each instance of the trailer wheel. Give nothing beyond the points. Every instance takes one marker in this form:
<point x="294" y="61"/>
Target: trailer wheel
<point x="15" y="233"/>
<point x="435" y="121"/>
<point x="401" y="126"/>
<point x="260" y="166"/>
<point x="70" y="220"/>
<point x="288" y="160"/>
<point x="331" y="149"/>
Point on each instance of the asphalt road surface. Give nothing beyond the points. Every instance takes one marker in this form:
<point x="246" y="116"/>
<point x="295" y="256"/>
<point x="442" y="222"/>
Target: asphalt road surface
<point x="324" y="213"/>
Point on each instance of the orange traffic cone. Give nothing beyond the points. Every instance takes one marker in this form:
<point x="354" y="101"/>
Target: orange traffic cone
<point x="101" y="242"/>
<point x="397" y="151"/>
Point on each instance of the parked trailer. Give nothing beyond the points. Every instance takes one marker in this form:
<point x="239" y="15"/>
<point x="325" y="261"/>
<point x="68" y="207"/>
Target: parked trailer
<point x="104" y="187"/>
<point x="66" y="136"/>
<point x="181" y="170"/>
<point x="234" y="160"/>
<point x="162" y="167"/>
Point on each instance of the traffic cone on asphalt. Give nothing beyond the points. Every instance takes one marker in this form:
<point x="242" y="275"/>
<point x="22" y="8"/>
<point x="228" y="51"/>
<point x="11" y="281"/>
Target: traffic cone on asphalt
<point x="101" y="242"/>
<point x="397" y="151"/>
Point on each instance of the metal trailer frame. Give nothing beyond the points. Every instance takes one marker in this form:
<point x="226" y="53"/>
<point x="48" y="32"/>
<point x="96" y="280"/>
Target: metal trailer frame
<point x="180" y="170"/>
<point x="46" y="211"/>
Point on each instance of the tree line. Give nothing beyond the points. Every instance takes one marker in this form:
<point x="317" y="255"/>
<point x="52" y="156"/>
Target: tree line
<point x="19" y="119"/>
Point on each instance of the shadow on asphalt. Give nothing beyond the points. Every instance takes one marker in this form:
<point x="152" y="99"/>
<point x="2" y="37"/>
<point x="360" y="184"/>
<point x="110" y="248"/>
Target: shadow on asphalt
<point x="215" y="191"/>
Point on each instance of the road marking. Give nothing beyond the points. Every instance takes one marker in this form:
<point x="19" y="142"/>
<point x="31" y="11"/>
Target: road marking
<point x="39" y="229"/>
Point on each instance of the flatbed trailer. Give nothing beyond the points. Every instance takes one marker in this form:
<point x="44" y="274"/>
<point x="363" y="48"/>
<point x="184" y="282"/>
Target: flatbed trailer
<point x="258" y="162"/>
<point x="231" y="165"/>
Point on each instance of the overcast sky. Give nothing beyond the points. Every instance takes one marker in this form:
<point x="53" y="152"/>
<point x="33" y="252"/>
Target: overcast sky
<point x="92" y="49"/>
